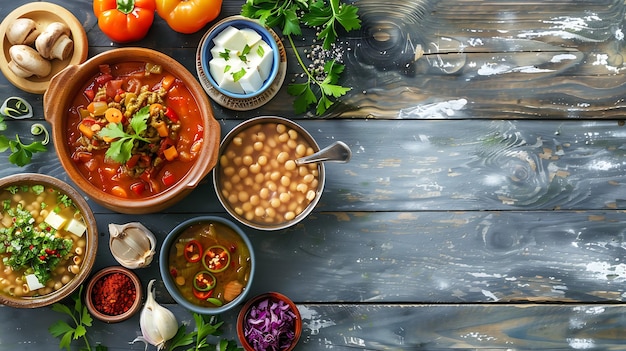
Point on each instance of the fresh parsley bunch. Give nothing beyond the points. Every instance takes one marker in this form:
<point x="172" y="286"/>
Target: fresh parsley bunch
<point x="21" y="154"/>
<point x="197" y="340"/>
<point x="290" y="16"/>
<point x="81" y="319"/>
<point x="122" y="145"/>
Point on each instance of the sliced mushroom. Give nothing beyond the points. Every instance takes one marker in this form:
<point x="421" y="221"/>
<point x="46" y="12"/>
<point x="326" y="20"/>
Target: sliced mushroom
<point x="26" y="62"/>
<point x="22" y="31"/>
<point x="54" y="42"/>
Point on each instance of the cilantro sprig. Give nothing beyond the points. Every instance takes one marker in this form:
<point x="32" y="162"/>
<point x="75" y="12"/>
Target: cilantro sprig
<point x="122" y="144"/>
<point x="290" y="16"/>
<point x="197" y="340"/>
<point x="21" y="153"/>
<point x="81" y="320"/>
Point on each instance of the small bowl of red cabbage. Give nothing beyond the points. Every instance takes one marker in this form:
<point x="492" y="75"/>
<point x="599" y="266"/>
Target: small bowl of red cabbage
<point x="269" y="321"/>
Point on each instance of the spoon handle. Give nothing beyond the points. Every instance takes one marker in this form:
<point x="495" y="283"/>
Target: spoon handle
<point x="335" y="152"/>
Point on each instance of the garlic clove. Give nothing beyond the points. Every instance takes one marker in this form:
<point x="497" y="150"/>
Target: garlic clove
<point x="132" y="244"/>
<point x="158" y="324"/>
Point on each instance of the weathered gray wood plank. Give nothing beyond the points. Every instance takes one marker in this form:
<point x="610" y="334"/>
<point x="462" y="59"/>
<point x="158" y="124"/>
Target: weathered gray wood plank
<point x="382" y="327"/>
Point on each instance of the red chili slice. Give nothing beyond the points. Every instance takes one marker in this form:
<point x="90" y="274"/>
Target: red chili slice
<point x="216" y="258"/>
<point x="202" y="295"/>
<point x="193" y="251"/>
<point x="204" y="281"/>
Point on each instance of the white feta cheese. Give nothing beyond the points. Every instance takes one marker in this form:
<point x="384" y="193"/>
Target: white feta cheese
<point x="33" y="283"/>
<point x="251" y="81"/>
<point x="261" y="57"/>
<point x="54" y="220"/>
<point x="251" y="35"/>
<point x="236" y="50"/>
<point x="228" y="83"/>
<point x="76" y="227"/>
<point x="231" y="38"/>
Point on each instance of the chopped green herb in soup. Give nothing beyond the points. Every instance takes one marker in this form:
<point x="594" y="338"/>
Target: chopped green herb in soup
<point x="42" y="242"/>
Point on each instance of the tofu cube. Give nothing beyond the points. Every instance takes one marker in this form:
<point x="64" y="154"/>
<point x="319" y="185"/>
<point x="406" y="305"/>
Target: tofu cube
<point x="261" y="55"/>
<point x="251" y="35"/>
<point x="251" y="81"/>
<point x="54" y="220"/>
<point x="33" y="283"/>
<point x="76" y="227"/>
<point x="232" y="39"/>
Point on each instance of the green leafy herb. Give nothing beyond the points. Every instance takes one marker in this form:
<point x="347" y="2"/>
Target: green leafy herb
<point x="34" y="248"/>
<point x="21" y="154"/>
<point x="244" y="53"/>
<point x="227" y="68"/>
<point x="198" y="339"/>
<point x="225" y="54"/>
<point x="239" y="74"/>
<point x="260" y="51"/>
<point x="81" y="320"/>
<point x="289" y="17"/>
<point x="120" y="149"/>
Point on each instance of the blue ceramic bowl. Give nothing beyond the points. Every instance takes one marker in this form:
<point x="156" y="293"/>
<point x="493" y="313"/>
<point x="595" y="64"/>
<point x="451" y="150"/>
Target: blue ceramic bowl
<point x="169" y="279"/>
<point x="238" y="22"/>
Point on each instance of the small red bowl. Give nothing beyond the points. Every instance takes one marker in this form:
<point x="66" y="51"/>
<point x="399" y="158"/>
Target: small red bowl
<point x="273" y="297"/>
<point x="108" y="276"/>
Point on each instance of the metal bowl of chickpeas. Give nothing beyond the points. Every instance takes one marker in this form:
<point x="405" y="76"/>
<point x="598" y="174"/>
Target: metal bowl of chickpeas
<point x="257" y="179"/>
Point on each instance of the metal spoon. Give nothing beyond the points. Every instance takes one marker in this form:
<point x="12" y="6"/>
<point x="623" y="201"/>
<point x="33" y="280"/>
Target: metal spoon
<point x="335" y="152"/>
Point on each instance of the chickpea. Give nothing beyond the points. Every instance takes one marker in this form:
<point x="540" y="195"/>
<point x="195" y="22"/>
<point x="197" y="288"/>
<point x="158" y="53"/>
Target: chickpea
<point x="255" y="168"/>
<point x="243" y="196"/>
<point x="258" y="146"/>
<point x="65" y="279"/>
<point x="229" y="171"/>
<point x="247" y="160"/>
<point x="290" y="165"/>
<point x="285" y="181"/>
<point x="300" y="150"/>
<point x="282" y="157"/>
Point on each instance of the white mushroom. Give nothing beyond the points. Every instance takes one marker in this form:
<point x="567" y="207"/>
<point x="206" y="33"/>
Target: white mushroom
<point x="54" y="42"/>
<point x="22" y="31"/>
<point x="26" y="62"/>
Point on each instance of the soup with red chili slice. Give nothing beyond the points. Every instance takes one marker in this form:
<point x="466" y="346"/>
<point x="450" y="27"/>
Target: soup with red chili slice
<point x="135" y="130"/>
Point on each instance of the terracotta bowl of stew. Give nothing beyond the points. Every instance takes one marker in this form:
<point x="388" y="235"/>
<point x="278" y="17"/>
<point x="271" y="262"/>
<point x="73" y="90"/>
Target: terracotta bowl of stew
<point x="49" y="240"/>
<point x="257" y="180"/>
<point x="133" y="129"/>
<point x="269" y="321"/>
<point x="113" y="294"/>
<point x="207" y="264"/>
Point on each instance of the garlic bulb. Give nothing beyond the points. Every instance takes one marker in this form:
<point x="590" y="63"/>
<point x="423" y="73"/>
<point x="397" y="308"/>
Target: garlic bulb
<point x="132" y="244"/>
<point x="158" y="324"/>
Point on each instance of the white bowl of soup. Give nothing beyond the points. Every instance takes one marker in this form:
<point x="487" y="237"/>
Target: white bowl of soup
<point x="48" y="240"/>
<point x="133" y="128"/>
<point x="207" y="264"/>
<point x="257" y="180"/>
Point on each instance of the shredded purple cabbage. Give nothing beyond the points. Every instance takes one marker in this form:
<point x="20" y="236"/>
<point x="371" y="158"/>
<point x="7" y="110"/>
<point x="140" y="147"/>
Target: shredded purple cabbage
<point x="270" y="325"/>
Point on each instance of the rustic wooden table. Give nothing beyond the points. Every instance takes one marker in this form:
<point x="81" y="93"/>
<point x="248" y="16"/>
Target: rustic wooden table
<point x="484" y="204"/>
